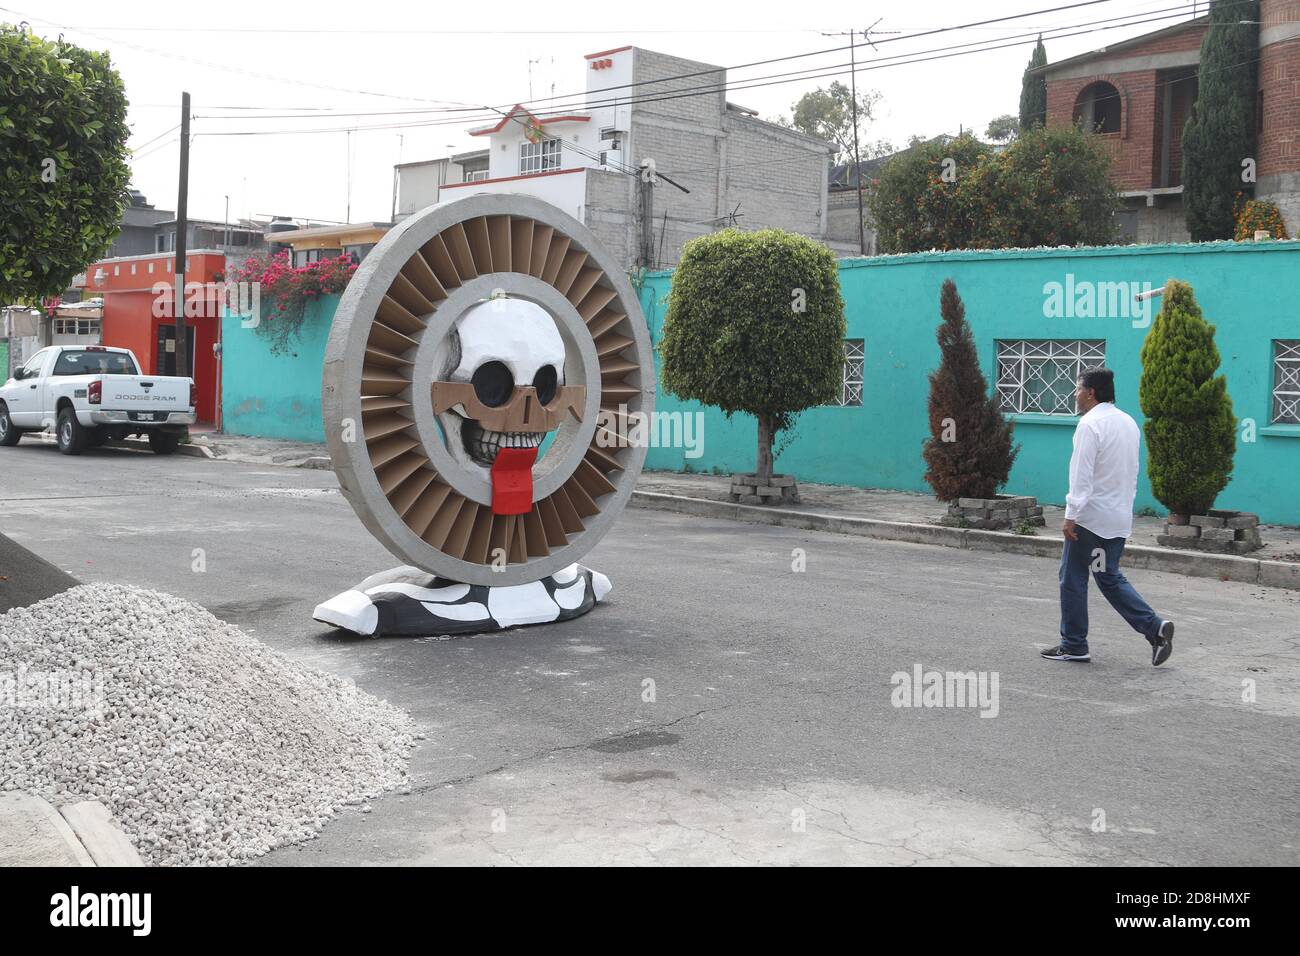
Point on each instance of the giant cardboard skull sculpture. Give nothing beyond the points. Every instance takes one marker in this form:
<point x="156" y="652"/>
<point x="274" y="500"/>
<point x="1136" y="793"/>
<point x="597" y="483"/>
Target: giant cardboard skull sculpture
<point x="471" y="332"/>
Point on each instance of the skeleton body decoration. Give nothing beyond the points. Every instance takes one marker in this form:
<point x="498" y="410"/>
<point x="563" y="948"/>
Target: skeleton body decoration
<point x="470" y="359"/>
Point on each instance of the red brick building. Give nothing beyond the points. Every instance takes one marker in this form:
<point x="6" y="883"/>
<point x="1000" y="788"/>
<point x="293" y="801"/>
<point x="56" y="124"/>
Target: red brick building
<point x="1139" y="94"/>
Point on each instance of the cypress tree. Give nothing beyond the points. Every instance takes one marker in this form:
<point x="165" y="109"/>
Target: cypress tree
<point x="1190" y="427"/>
<point x="969" y="452"/>
<point x="1033" y="91"/>
<point x="1221" y="132"/>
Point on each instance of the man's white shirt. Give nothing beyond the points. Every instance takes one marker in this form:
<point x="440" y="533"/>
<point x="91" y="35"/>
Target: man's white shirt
<point x="1103" y="472"/>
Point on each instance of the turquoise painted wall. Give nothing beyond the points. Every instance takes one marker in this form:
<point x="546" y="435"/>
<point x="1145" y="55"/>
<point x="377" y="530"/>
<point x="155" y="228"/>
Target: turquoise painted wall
<point x="275" y="396"/>
<point x="1251" y="292"/>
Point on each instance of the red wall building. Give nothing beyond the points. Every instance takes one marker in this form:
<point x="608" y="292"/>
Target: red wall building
<point x="139" y="315"/>
<point x="1140" y="93"/>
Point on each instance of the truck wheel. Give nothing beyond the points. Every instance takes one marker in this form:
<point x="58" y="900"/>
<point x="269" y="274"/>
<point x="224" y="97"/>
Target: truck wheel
<point x="163" y="443"/>
<point x="71" y="436"/>
<point x="9" y="434"/>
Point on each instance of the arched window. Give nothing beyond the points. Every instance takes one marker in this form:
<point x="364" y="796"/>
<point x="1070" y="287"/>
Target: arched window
<point x="1097" y="108"/>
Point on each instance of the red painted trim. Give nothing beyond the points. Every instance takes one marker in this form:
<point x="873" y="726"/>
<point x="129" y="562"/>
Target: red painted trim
<point x="506" y="179"/>
<point x="519" y="109"/>
<point x="592" y="56"/>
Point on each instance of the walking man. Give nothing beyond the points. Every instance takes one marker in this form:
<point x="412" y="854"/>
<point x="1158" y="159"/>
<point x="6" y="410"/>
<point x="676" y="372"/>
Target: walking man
<point x="1098" y="520"/>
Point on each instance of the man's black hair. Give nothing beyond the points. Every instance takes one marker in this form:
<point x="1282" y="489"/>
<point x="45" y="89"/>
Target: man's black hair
<point x="1101" y="381"/>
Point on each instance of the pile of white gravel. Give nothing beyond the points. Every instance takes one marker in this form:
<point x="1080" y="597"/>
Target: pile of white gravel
<point x="209" y="747"/>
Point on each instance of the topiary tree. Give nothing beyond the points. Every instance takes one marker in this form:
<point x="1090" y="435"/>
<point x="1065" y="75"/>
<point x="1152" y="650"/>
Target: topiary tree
<point x="969" y="453"/>
<point x="1190" y="427"/>
<point x="1051" y="187"/>
<point x="755" y="324"/>
<point x="1221" y="131"/>
<point x="64" y="176"/>
<point x="1033" y="91"/>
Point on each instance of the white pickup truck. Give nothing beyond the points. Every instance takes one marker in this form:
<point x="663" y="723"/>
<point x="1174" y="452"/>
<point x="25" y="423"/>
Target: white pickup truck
<point x="91" y="393"/>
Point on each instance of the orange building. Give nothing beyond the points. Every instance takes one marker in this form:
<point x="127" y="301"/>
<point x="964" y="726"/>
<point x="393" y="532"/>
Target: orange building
<point x="139" y="314"/>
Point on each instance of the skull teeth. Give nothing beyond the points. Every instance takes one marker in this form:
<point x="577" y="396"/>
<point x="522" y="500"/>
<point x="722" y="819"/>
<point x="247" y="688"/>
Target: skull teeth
<point x="483" y="445"/>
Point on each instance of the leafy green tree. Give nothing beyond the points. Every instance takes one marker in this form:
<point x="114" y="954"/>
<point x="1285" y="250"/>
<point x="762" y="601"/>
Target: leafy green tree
<point x="1221" y="132"/>
<point x="1033" y="90"/>
<point x="63" y="171"/>
<point x="1003" y="129"/>
<point x="1051" y="187"/>
<point x="969" y="453"/>
<point x="917" y="202"/>
<point x="1190" y="427"/>
<point x="755" y="324"/>
<point x="827" y="113"/>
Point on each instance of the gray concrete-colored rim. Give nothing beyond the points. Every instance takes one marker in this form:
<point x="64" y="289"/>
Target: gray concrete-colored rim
<point x="581" y="367"/>
<point x="341" y="388"/>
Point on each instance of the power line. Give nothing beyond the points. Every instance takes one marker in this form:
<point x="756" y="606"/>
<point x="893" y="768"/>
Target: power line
<point x="158" y="137"/>
<point x="460" y="107"/>
<point x="711" y="89"/>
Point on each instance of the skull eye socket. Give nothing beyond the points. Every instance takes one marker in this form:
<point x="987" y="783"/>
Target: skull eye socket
<point x="493" y="384"/>
<point x="545" y="381"/>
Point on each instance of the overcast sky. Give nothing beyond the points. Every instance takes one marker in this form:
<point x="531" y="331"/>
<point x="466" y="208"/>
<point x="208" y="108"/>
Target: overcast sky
<point x="276" y="67"/>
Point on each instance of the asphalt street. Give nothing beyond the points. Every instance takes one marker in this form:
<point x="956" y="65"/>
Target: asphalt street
<point x="722" y="707"/>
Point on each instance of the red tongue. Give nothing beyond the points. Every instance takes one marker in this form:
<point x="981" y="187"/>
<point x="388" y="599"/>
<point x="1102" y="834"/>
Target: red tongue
<point x="512" y="481"/>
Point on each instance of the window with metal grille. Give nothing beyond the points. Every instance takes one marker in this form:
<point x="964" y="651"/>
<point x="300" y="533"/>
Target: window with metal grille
<point x="851" y="374"/>
<point x="539" y="157"/>
<point x="1039" y="375"/>
<point x="1286" y="381"/>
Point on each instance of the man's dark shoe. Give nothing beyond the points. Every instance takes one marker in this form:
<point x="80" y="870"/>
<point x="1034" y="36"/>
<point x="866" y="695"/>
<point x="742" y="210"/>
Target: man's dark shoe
<point x="1059" y="653"/>
<point x="1162" y="645"/>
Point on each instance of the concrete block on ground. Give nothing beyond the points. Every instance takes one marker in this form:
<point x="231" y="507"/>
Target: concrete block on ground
<point x="749" y="500"/>
<point x="1182" y="531"/>
<point x="33" y="833"/>
<point x="1217" y="535"/>
<point x="781" y="481"/>
<point x="1242" y="519"/>
<point x="1206" y="521"/>
<point x="100" y="834"/>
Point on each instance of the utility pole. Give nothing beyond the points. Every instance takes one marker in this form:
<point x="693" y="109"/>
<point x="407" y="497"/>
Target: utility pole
<point x="182" y="225"/>
<point x="647" y="213"/>
<point x="853" y="108"/>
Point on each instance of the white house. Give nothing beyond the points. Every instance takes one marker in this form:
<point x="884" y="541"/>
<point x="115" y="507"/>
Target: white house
<point x="725" y="164"/>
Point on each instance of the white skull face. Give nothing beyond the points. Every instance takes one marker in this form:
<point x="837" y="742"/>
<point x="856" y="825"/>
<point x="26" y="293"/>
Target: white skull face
<point x="498" y="346"/>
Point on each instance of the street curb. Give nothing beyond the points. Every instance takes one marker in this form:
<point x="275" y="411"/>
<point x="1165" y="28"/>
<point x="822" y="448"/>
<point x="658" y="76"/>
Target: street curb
<point x="142" y="444"/>
<point x="137" y="444"/>
<point x="1276" y="574"/>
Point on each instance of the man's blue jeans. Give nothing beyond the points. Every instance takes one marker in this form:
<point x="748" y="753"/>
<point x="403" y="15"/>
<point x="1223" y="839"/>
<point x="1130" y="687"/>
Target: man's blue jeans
<point x="1100" y="557"/>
